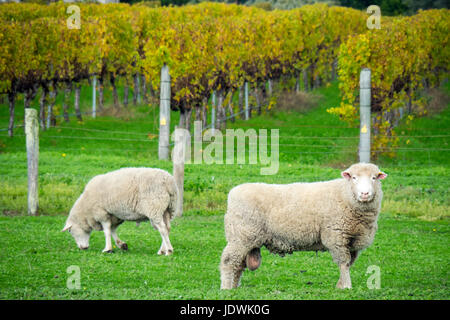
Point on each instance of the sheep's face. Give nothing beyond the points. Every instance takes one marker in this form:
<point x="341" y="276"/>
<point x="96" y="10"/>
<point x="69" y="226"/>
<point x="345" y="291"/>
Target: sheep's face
<point x="81" y="236"/>
<point x="364" y="179"/>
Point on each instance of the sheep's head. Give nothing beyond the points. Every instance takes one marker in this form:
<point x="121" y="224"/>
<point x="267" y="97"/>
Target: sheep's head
<point x="364" y="180"/>
<point x="80" y="235"/>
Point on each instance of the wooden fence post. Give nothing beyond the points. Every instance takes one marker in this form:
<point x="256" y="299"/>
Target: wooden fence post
<point x="221" y="112"/>
<point x="213" y="112"/>
<point x="136" y="88"/>
<point x="32" y="143"/>
<point x="246" y="100"/>
<point x="42" y="103"/>
<point x="269" y="87"/>
<point x="178" y="158"/>
<point x="94" y="97"/>
<point x="364" y="97"/>
<point x="164" y="114"/>
<point x="305" y="79"/>
<point x="297" y="82"/>
<point x="143" y="90"/>
<point x="12" y="107"/>
<point x="139" y="90"/>
<point x="51" y="103"/>
<point x="334" y="66"/>
<point x="77" y="101"/>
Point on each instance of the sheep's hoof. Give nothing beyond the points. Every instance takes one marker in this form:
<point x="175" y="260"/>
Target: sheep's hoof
<point x="340" y="285"/>
<point x="108" y="251"/>
<point x="226" y="287"/>
<point x="165" y="253"/>
<point x="123" y="246"/>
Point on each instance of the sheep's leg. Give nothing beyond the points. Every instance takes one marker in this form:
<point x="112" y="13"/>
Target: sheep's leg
<point x="237" y="277"/>
<point x="344" y="279"/>
<point x="163" y="249"/>
<point x="166" y="218"/>
<point x="122" y="245"/>
<point x="107" y="230"/>
<point x="232" y="265"/>
<point x="342" y="257"/>
<point x="166" y="247"/>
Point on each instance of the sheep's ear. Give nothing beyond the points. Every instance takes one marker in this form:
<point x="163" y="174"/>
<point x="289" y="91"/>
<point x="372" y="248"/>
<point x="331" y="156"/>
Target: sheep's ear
<point x="346" y="175"/>
<point x="381" y="175"/>
<point x="66" y="227"/>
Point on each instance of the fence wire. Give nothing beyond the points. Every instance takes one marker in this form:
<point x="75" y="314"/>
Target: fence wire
<point x="340" y="149"/>
<point x="285" y="147"/>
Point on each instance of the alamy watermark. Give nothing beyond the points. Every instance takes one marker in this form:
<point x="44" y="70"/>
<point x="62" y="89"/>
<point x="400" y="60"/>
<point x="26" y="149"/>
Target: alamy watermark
<point x="74" y="279"/>
<point x="374" y="280"/>
<point x="74" y="21"/>
<point x="374" y="21"/>
<point x="213" y="152"/>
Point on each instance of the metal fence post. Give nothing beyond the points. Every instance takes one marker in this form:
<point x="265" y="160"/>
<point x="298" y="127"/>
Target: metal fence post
<point x="364" y="98"/>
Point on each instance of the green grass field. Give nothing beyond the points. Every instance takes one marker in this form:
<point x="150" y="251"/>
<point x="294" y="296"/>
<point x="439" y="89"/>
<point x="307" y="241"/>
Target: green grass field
<point x="411" y="246"/>
<point x="412" y="256"/>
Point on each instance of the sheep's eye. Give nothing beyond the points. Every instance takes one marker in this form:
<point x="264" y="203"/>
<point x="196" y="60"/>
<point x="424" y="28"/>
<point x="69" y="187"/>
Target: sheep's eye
<point x="373" y="178"/>
<point x="354" y="178"/>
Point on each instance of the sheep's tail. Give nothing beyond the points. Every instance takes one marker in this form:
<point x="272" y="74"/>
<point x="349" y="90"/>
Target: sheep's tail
<point x="253" y="259"/>
<point x="176" y="199"/>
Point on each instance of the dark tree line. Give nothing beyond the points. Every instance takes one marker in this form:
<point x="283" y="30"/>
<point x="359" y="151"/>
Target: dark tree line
<point x="388" y="7"/>
<point x="396" y="7"/>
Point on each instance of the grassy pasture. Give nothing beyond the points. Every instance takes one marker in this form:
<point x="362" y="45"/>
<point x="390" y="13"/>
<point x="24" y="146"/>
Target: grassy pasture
<point x="411" y="247"/>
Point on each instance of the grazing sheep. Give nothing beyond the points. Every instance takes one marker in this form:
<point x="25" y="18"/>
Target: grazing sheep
<point x="339" y="216"/>
<point x="128" y="194"/>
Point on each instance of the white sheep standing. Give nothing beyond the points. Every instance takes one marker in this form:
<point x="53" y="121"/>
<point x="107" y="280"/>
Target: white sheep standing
<point x="128" y="194"/>
<point x="338" y="215"/>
